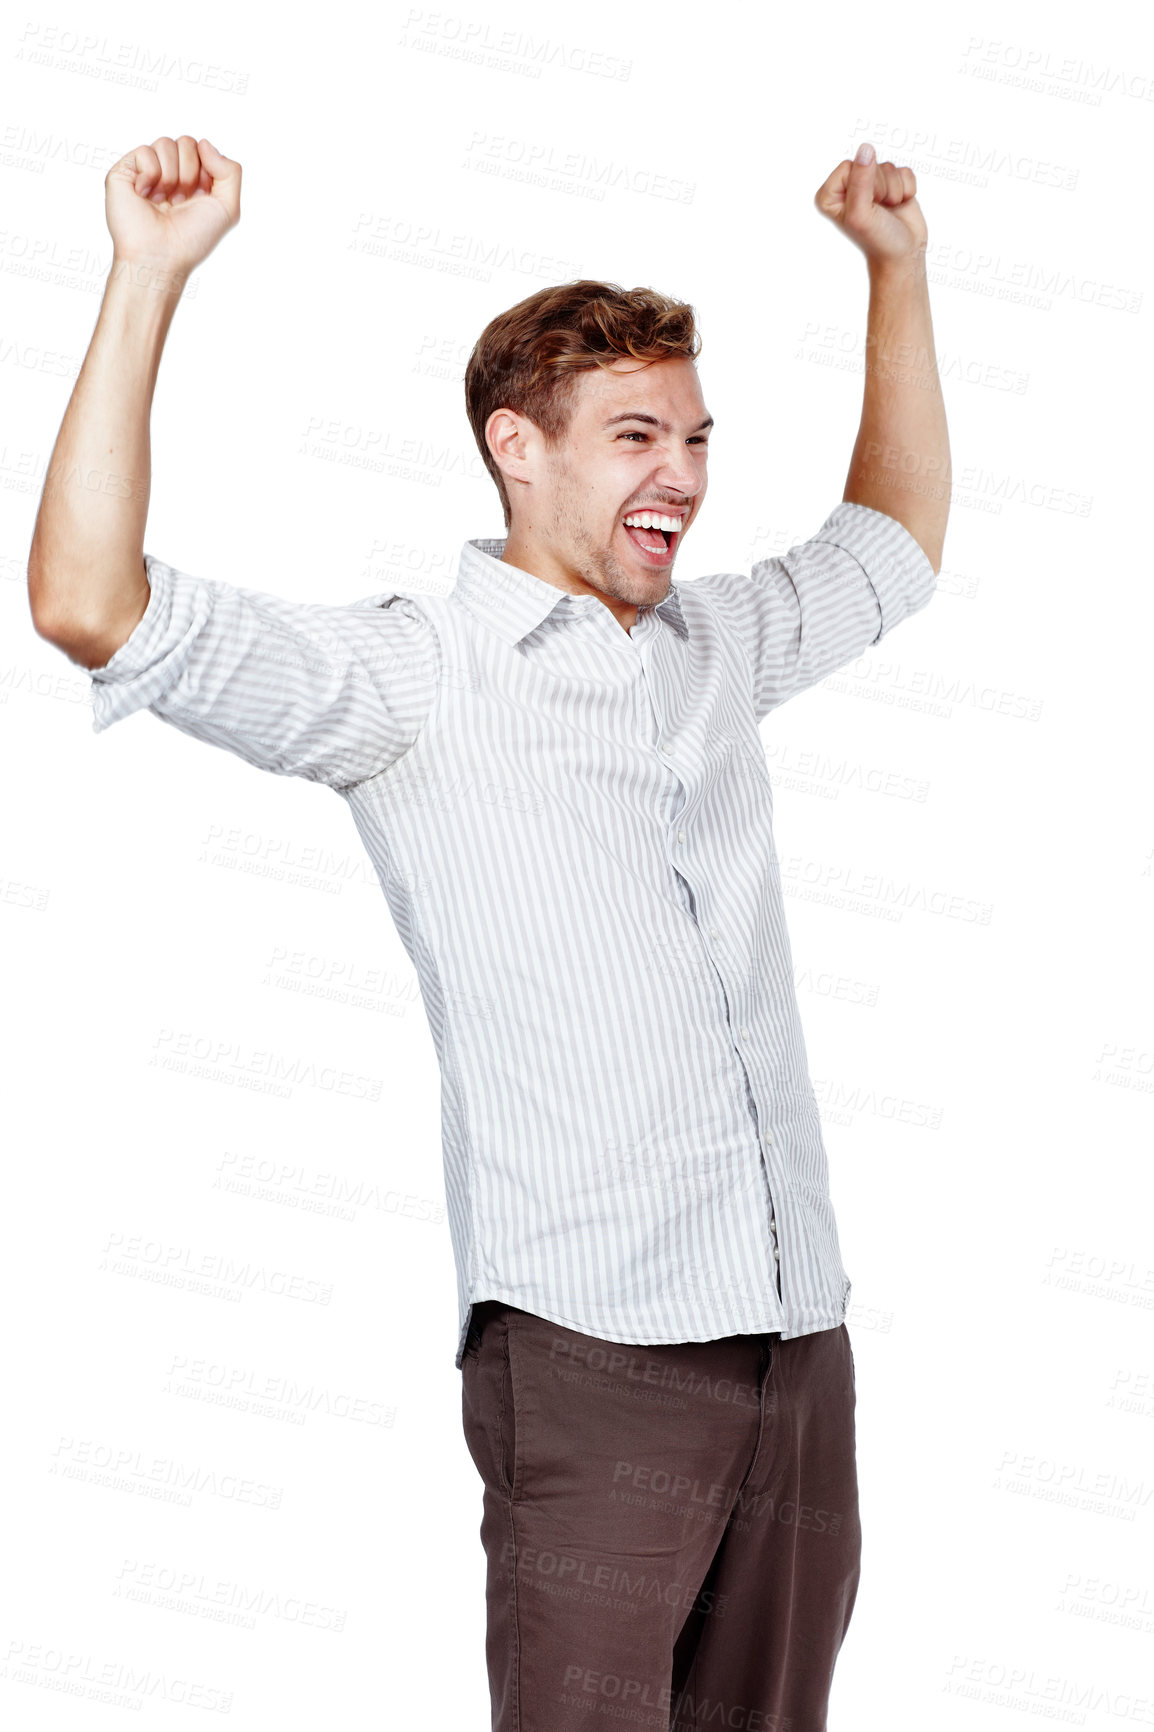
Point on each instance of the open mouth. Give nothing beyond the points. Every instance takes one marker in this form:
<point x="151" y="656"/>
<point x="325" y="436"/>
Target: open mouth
<point x="654" y="545"/>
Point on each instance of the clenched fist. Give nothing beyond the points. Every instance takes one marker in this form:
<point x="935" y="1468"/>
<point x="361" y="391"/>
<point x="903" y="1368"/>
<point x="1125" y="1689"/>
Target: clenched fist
<point x="874" y="205"/>
<point x="169" y="202"/>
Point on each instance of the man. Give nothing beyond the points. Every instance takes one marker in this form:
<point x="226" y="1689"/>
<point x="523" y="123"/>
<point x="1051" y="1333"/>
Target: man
<point x="558" y="772"/>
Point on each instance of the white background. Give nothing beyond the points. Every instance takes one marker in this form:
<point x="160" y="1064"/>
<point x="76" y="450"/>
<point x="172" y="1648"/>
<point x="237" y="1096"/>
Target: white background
<point x="963" y="820"/>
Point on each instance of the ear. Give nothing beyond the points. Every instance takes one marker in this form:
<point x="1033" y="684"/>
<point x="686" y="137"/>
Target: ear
<point x="511" y="439"/>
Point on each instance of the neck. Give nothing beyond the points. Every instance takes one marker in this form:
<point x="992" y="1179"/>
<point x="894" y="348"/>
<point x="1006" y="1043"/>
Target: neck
<point x="543" y="561"/>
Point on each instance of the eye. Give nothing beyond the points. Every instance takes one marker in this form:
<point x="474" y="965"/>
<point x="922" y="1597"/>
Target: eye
<point x="694" y="439"/>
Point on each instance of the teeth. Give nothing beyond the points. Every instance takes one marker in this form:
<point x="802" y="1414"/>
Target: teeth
<point x="651" y="520"/>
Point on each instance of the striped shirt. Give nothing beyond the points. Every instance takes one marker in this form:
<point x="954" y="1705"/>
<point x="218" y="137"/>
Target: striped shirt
<point x="573" y="828"/>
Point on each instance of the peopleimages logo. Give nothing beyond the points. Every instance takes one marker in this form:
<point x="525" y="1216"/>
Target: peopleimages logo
<point x="476" y="40"/>
<point x="497" y="153"/>
<point x="578" y="1571"/>
<point x="640" y="1368"/>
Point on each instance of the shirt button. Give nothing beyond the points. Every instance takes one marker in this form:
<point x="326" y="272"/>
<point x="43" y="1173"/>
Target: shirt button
<point x="768" y="1140"/>
<point x="776" y="1254"/>
<point x="713" y="932"/>
<point x="745" y="1034"/>
<point x="681" y="835"/>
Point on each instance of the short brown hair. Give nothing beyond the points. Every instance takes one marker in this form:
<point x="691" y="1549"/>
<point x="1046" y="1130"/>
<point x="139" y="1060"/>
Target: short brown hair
<point x="527" y="359"/>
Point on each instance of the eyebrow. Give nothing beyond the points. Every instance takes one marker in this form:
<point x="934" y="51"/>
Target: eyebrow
<point x="635" y="415"/>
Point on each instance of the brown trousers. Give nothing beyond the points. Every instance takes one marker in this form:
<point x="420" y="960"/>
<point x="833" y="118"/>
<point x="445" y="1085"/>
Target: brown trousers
<point x="671" y="1533"/>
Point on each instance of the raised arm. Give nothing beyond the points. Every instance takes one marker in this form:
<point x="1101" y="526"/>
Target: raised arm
<point x="334" y="693"/>
<point x="873" y="562"/>
<point x="167" y="205"/>
<point x="901" y="461"/>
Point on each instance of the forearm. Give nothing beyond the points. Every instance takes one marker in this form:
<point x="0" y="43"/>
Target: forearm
<point x="901" y="461"/>
<point x="86" y="578"/>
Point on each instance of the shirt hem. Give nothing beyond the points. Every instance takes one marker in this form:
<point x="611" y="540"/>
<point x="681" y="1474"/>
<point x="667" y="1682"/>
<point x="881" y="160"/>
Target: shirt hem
<point x="759" y="1325"/>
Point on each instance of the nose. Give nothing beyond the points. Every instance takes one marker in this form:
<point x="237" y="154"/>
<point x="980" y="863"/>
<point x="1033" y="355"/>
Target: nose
<point x="678" y="473"/>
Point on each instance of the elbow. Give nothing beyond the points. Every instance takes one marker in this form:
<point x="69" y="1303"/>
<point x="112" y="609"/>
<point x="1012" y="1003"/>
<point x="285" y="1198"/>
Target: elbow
<point x="50" y="614"/>
<point x="86" y="648"/>
<point x="40" y="597"/>
<point x="89" y="647"/>
<point x="87" y="638"/>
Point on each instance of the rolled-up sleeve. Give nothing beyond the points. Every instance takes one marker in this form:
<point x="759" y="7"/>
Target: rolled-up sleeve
<point x="333" y="693"/>
<point x="801" y="615"/>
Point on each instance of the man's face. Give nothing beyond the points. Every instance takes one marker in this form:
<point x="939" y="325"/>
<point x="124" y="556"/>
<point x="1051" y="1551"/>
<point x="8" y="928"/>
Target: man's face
<point x="637" y="442"/>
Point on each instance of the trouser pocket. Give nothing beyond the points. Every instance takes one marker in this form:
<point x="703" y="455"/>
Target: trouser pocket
<point x="504" y="1352"/>
<point x="487" y="1401"/>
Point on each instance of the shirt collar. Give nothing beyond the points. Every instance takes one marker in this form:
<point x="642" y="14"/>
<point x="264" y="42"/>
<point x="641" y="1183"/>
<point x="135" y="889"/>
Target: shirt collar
<point x="513" y="602"/>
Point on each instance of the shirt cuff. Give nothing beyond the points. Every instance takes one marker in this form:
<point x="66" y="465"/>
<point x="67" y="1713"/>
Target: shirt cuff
<point x="151" y="657"/>
<point x="894" y="561"/>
